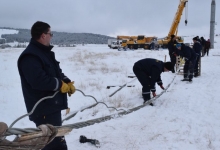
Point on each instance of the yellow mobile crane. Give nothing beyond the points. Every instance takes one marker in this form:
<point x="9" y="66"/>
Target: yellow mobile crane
<point x="130" y="40"/>
<point x="174" y="27"/>
<point x="135" y="42"/>
<point x="124" y="39"/>
<point x="142" y="42"/>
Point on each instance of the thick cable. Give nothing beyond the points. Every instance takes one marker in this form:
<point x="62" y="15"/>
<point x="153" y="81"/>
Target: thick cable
<point x="16" y="131"/>
<point x="28" y="114"/>
<point x="93" y="105"/>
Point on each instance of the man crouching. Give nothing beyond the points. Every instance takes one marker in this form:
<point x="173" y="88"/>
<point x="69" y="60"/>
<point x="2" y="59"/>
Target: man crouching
<point x="148" y="73"/>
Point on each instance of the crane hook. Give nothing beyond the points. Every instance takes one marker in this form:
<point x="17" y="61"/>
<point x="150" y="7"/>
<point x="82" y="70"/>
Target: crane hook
<point x="186" y="22"/>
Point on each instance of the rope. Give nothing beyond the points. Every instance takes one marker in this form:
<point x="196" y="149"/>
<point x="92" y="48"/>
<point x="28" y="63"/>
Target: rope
<point x="16" y="131"/>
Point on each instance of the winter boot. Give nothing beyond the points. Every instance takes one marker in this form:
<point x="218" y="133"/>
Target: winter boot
<point x="185" y="79"/>
<point x="145" y="100"/>
<point x="196" y="75"/>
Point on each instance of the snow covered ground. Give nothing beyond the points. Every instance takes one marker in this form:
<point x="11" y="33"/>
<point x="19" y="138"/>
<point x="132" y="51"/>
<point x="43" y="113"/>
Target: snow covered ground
<point x="185" y="117"/>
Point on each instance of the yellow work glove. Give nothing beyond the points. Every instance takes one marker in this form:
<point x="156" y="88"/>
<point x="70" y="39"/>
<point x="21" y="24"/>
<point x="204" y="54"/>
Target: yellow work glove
<point x="64" y="88"/>
<point x="72" y="88"/>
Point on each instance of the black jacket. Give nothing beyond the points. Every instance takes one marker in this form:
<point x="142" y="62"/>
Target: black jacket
<point x="188" y="53"/>
<point x="203" y="41"/>
<point x="41" y="76"/>
<point x="153" y="68"/>
<point x="172" y="48"/>
<point x="197" y="48"/>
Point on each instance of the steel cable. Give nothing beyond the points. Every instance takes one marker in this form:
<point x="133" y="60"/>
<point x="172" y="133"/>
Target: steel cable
<point x="17" y="131"/>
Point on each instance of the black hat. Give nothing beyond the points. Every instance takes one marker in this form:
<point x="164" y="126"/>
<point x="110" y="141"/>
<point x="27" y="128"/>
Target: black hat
<point x="195" y="38"/>
<point x="169" y="66"/>
<point x="172" y="36"/>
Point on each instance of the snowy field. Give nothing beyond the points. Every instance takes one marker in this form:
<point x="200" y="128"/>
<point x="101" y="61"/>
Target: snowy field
<point x="185" y="117"/>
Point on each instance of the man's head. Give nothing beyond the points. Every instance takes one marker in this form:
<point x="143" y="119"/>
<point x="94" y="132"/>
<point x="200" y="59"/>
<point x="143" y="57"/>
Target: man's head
<point x="195" y="39"/>
<point x="168" y="66"/>
<point x="173" y="37"/>
<point x="40" y="31"/>
<point x="178" y="46"/>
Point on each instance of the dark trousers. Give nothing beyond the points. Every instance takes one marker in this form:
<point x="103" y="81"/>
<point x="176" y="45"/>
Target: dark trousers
<point x="173" y="59"/>
<point x="144" y="80"/>
<point x="203" y="50"/>
<point x="196" y="68"/>
<point x="54" y="119"/>
<point x="206" y="51"/>
<point x="189" y="69"/>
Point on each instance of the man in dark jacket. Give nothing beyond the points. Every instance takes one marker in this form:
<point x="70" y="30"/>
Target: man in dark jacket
<point x="190" y="58"/>
<point x="203" y="41"/>
<point x="148" y="73"/>
<point x="172" y="49"/>
<point x="197" y="48"/>
<point x="207" y="47"/>
<point x="199" y="39"/>
<point x="41" y="76"/>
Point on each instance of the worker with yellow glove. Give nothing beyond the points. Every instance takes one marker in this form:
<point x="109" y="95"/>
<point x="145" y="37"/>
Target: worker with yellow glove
<point x="41" y="76"/>
<point x="64" y="88"/>
<point x="72" y="88"/>
<point x="68" y="88"/>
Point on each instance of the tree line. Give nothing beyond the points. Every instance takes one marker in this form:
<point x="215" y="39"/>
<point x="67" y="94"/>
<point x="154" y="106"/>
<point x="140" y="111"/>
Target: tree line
<point x="59" y="38"/>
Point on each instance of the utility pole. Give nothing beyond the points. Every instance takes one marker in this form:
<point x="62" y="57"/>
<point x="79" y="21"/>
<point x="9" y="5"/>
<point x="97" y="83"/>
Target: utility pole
<point x="212" y="24"/>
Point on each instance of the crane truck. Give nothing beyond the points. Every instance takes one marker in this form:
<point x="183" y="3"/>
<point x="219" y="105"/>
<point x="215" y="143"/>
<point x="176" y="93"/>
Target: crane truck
<point x="118" y="42"/>
<point x="174" y="27"/>
<point x="135" y="42"/>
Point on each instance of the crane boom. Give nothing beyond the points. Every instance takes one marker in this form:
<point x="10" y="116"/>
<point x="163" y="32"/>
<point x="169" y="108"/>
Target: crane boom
<point x="174" y="26"/>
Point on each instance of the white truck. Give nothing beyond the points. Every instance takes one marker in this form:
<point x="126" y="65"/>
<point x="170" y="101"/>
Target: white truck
<point x="114" y="44"/>
<point x="110" y="42"/>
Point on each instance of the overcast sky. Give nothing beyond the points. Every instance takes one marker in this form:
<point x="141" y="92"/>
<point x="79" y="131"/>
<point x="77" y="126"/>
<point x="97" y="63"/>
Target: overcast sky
<point x="109" y="17"/>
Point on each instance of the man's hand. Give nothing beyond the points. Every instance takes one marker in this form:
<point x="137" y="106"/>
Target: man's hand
<point x="161" y="86"/>
<point x="64" y="88"/>
<point x="174" y="54"/>
<point x="154" y="94"/>
<point x="72" y="88"/>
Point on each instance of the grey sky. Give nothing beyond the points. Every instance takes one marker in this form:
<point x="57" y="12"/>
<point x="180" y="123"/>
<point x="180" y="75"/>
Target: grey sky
<point x="109" y="17"/>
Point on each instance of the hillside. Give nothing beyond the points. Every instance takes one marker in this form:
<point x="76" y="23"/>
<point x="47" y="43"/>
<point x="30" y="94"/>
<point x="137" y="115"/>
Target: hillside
<point x="59" y="38"/>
